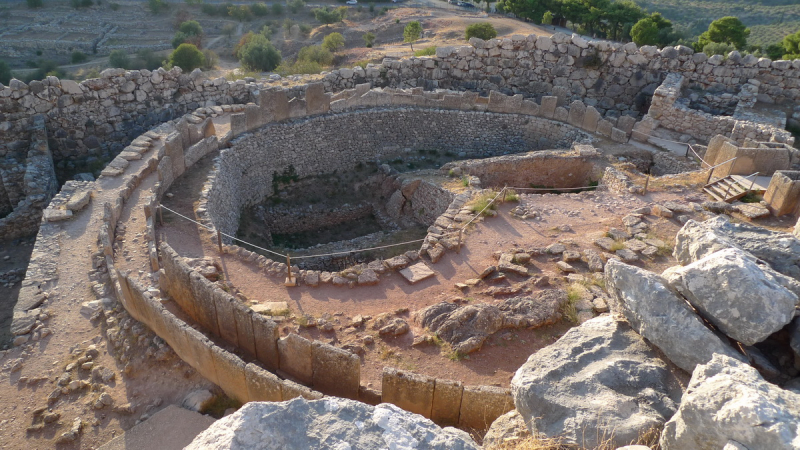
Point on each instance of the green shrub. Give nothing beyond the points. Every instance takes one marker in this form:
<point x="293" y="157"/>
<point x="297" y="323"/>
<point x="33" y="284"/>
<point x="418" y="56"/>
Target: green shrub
<point x="113" y="6"/>
<point x="427" y="51"/>
<point x="333" y="42"/>
<point x="259" y="9"/>
<point x="296" y="5"/>
<point x="305" y="29"/>
<point x="157" y="6"/>
<point x="119" y="59"/>
<point x="484" y="204"/>
<point x="5" y="72"/>
<point x="187" y="57"/>
<point x="78" y="57"/>
<point x="33" y="4"/>
<point x="241" y="13"/>
<point x="315" y="53"/>
<point x="481" y="30"/>
<point x="277" y="9"/>
<point x="299" y="68"/>
<point x="369" y="39"/>
<point x="148" y="59"/>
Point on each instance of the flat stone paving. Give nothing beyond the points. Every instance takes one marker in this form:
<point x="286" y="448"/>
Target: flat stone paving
<point x="172" y="428"/>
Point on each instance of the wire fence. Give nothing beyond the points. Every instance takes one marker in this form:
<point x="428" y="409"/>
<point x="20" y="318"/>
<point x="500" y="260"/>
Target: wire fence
<point x="504" y="192"/>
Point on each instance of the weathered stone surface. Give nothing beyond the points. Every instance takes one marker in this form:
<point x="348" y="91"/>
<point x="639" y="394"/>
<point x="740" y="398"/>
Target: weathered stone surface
<point x="331" y="422"/>
<point x="467" y="327"/>
<point x="336" y="371"/>
<point x="728" y="401"/>
<point x="506" y="430"/>
<point x="746" y="300"/>
<point x="661" y="316"/>
<point x="697" y="240"/>
<point x="417" y="272"/>
<point x="600" y="380"/>
<point x="295" y="357"/>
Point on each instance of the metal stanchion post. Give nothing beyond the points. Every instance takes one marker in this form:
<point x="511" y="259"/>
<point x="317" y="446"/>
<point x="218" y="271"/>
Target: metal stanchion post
<point x="219" y="241"/>
<point x="160" y="216"/>
<point x="646" y="183"/>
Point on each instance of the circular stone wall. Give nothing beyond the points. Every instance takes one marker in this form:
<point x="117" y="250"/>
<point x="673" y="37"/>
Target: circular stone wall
<point x="338" y="142"/>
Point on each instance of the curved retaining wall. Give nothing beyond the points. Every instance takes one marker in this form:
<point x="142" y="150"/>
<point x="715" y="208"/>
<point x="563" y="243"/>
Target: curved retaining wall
<point x="395" y="122"/>
<point x="246" y="378"/>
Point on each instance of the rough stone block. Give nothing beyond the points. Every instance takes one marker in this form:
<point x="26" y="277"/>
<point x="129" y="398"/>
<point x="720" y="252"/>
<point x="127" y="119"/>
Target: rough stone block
<point x="253" y="117"/>
<point x="265" y="334"/>
<point x="626" y="123"/>
<point x="417" y="272"/>
<point x="262" y="386"/>
<point x="297" y="108"/>
<point x="231" y="374"/>
<point x="226" y="320"/>
<point x="410" y="391"/>
<point x="548" y="108"/>
<point x="481" y="405"/>
<point x="335" y="371"/>
<point x="204" y="304"/>
<point x="295" y="357"/>
<point x="591" y="119"/>
<point x="244" y="328"/>
<point x="446" y="402"/>
<point x="291" y="390"/>
<point x="317" y="101"/>
<point x="561" y="115"/>
<point x="238" y="123"/>
<point x="173" y="148"/>
<point x="577" y="110"/>
<point x="604" y="128"/>
<point x="618" y="135"/>
<point x="274" y="105"/>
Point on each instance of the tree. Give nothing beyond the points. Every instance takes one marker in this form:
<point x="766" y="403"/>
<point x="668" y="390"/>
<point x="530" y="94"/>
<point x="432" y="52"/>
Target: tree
<point x="191" y="27"/>
<point x="187" y="57"/>
<point x="259" y="54"/>
<point x="481" y="30"/>
<point x="277" y="9"/>
<point x="228" y="29"/>
<point x="412" y="32"/>
<point x="240" y="13"/>
<point x="211" y="59"/>
<point x="5" y="72"/>
<point x="333" y="42"/>
<point x="260" y="9"/>
<point x="547" y="18"/>
<point x="645" y="32"/>
<point x="148" y="59"/>
<point x="328" y="16"/>
<point x="791" y="44"/>
<point x="119" y="59"/>
<point x="78" y="57"/>
<point x="727" y="30"/>
<point x="715" y="48"/>
<point x="156" y="6"/>
<point x="33" y="4"/>
<point x="189" y="31"/>
<point x="369" y="39"/>
<point x="296" y="5"/>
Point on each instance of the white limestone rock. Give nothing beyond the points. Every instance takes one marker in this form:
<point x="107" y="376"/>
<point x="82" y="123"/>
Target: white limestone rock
<point x="329" y="423"/>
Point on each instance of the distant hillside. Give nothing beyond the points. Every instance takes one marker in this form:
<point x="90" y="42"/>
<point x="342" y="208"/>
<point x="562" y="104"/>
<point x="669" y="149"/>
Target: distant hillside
<point x="769" y="20"/>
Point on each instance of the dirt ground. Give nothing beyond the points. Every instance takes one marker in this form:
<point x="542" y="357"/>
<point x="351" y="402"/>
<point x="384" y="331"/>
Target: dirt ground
<point x="589" y="215"/>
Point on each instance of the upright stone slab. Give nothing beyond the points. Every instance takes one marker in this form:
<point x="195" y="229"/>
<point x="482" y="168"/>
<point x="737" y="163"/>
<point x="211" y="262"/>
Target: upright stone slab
<point x="618" y="135"/>
<point x="231" y="374"/>
<point x="604" y="128"/>
<point x="274" y="105"/>
<point x="577" y="110"/>
<point x="446" y="407"/>
<point x="408" y="390"/>
<point x="173" y="148"/>
<point x="714" y="146"/>
<point x="335" y="371"/>
<point x="548" y="108"/>
<point x="626" y="123"/>
<point x="253" y="117"/>
<point x="296" y="357"/>
<point x="290" y="390"/>
<point x="317" y="101"/>
<point x="238" y="123"/>
<point x="590" y="119"/>
<point x="297" y="108"/>
<point x="244" y="328"/>
<point x="226" y="304"/>
<point x="482" y="405"/>
<point x="265" y="334"/>
<point x="262" y="386"/>
<point x="205" y="306"/>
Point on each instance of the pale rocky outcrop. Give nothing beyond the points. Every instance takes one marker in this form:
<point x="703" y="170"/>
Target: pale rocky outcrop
<point x="663" y="318"/>
<point x="600" y="380"/>
<point x="332" y="423"/>
<point x="696" y="240"/>
<point x="727" y="404"/>
<point x="746" y="300"/>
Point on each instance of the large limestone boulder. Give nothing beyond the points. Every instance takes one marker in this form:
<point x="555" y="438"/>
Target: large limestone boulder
<point x="746" y="300"/>
<point x="728" y="403"/>
<point x="466" y="327"/>
<point x="662" y="317"/>
<point x="599" y="381"/>
<point x="329" y="423"/>
<point x="696" y="240"/>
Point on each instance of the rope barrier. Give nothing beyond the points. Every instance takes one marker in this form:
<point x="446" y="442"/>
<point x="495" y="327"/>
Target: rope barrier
<point x="347" y="252"/>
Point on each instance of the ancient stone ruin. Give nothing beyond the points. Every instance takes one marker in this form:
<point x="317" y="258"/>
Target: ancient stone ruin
<point x="427" y="138"/>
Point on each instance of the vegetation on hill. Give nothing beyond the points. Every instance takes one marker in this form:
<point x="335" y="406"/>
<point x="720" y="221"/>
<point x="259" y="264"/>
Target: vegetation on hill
<point x="482" y="30"/>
